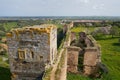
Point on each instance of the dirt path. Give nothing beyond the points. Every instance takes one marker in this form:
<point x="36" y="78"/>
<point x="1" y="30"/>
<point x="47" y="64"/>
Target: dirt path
<point x="52" y="76"/>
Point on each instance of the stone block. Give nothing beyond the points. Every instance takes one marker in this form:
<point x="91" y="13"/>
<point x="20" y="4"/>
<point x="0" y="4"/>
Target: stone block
<point x="72" y="59"/>
<point x="90" y="57"/>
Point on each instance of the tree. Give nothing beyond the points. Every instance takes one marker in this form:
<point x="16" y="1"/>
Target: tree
<point x="114" y="31"/>
<point x="97" y="24"/>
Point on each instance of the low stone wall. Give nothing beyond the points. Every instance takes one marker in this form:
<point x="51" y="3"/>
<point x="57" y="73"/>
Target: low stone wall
<point x="90" y="61"/>
<point x="72" y="59"/>
<point x="90" y="56"/>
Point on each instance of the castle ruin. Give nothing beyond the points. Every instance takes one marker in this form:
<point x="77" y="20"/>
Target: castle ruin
<point x="31" y="50"/>
<point x="83" y="55"/>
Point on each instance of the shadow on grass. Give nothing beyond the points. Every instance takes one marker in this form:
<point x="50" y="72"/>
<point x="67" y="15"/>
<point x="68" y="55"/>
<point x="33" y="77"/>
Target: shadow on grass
<point x="116" y="44"/>
<point x="105" y="38"/>
<point x="5" y="73"/>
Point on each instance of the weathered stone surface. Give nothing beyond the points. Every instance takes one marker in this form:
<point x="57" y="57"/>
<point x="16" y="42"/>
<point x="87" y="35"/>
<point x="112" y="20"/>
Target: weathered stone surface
<point x="90" y="57"/>
<point x="72" y="59"/>
<point x="90" y="70"/>
<point x="31" y="49"/>
<point x="87" y="48"/>
<point x="73" y="36"/>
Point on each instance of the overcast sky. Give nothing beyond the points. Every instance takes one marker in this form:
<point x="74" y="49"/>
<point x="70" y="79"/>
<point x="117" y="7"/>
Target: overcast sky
<point x="59" y="7"/>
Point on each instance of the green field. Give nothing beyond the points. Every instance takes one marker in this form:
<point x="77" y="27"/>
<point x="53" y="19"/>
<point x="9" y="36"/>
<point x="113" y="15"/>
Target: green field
<point x="111" y="56"/>
<point x="79" y="29"/>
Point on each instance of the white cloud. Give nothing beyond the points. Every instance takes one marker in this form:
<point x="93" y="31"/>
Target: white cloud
<point x="100" y="6"/>
<point x="84" y="1"/>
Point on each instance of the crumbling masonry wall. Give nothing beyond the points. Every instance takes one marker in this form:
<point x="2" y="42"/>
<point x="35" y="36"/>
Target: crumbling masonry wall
<point x="90" y="61"/>
<point x="31" y="50"/>
<point x="92" y="57"/>
<point x="72" y="59"/>
<point x="87" y="48"/>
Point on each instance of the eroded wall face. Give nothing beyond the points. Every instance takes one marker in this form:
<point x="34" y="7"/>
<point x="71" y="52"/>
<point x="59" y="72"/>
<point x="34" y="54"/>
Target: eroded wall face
<point x="91" y="59"/>
<point x="72" y="59"/>
<point x="30" y="52"/>
<point x="89" y="55"/>
<point x="53" y="45"/>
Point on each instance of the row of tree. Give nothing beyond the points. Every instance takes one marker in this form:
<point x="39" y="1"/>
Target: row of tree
<point x="98" y="24"/>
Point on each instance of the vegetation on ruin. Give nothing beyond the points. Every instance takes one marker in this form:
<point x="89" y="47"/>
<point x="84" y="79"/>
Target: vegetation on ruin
<point x="110" y="55"/>
<point x="109" y="46"/>
<point x="47" y="73"/>
<point x="6" y="26"/>
<point x="60" y="65"/>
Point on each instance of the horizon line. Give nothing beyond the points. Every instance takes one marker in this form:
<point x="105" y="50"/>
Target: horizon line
<point x="61" y="16"/>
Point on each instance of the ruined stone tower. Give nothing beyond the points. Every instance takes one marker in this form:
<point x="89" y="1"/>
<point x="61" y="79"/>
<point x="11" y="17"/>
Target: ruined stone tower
<point x="31" y="50"/>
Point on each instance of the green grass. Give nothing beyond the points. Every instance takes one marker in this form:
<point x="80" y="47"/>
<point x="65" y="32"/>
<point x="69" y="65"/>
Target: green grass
<point x="88" y="30"/>
<point x="4" y="70"/>
<point x="10" y="25"/>
<point x="5" y="73"/>
<point x="111" y="56"/>
<point x="71" y="76"/>
<point x="77" y="29"/>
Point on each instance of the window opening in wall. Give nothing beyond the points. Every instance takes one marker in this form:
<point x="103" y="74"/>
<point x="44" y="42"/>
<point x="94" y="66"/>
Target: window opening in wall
<point x="32" y="54"/>
<point x="21" y="54"/>
<point x="41" y="57"/>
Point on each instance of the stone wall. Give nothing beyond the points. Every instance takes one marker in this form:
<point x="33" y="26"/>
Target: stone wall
<point x="90" y="53"/>
<point x="31" y="50"/>
<point x="72" y="59"/>
<point x="53" y="44"/>
<point x="90" y="61"/>
<point x="73" y="36"/>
